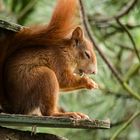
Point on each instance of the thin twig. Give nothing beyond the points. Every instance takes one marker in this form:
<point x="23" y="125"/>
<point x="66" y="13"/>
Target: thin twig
<point x="113" y="70"/>
<point x="129" y="26"/>
<point x="118" y="123"/>
<point x="110" y="25"/>
<point x="130" y="37"/>
<point x="125" y="10"/>
<point x="26" y="9"/>
<point x="117" y="95"/>
<point x="122" y="128"/>
<point x="128" y="48"/>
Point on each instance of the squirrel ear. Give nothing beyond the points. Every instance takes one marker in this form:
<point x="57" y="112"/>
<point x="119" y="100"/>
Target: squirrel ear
<point x="77" y="34"/>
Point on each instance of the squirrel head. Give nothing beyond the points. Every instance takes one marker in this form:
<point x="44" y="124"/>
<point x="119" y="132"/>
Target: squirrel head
<point x="85" y="57"/>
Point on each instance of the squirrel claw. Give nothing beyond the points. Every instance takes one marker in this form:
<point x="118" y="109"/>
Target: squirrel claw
<point x="90" y="84"/>
<point x="96" y="86"/>
<point x="93" y="84"/>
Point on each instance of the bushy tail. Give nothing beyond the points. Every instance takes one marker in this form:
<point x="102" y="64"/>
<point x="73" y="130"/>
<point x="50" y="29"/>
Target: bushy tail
<point x="61" y="24"/>
<point x="63" y="19"/>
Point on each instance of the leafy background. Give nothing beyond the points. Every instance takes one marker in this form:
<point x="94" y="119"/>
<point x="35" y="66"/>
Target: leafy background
<point x="111" y="100"/>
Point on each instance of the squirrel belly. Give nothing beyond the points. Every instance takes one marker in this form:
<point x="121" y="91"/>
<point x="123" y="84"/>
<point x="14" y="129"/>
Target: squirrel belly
<point x="40" y="61"/>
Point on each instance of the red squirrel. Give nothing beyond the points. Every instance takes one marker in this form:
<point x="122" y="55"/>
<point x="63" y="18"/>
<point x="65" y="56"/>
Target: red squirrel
<point x="39" y="61"/>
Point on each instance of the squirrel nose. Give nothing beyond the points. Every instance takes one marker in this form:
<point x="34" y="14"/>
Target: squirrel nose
<point x="94" y="71"/>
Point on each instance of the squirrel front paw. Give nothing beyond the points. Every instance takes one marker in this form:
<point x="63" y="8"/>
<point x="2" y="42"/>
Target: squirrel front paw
<point x="89" y="83"/>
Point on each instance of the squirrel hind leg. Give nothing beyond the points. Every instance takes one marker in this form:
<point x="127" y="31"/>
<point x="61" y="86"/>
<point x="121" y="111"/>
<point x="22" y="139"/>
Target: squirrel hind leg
<point x="49" y="91"/>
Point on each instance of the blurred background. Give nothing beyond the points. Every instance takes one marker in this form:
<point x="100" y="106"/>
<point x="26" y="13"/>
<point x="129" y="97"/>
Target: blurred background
<point x="112" y="100"/>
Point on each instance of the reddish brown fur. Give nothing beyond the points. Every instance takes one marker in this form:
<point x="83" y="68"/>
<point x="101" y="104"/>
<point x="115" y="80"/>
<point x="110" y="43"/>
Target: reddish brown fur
<point x="61" y="24"/>
<point x="39" y="61"/>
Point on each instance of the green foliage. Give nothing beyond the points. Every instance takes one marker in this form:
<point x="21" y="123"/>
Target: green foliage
<point x="111" y="101"/>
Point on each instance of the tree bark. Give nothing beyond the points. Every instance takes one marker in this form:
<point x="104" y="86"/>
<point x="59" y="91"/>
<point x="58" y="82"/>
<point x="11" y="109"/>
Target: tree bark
<point x="48" y="121"/>
<point x="10" y="26"/>
<point x="13" y="134"/>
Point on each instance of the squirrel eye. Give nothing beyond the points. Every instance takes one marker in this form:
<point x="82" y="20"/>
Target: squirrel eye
<point x="87" y="55"/>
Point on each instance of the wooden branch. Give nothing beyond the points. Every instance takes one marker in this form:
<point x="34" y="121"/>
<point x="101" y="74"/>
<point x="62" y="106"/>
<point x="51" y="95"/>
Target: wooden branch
<point x="47" y="121"/>
<point x="10" y="26"/>
<point x="13" y="134"/>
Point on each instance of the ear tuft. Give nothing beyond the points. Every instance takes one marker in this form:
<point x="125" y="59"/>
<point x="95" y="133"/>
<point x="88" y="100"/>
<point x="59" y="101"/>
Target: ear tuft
<point x="77" y="34"/>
